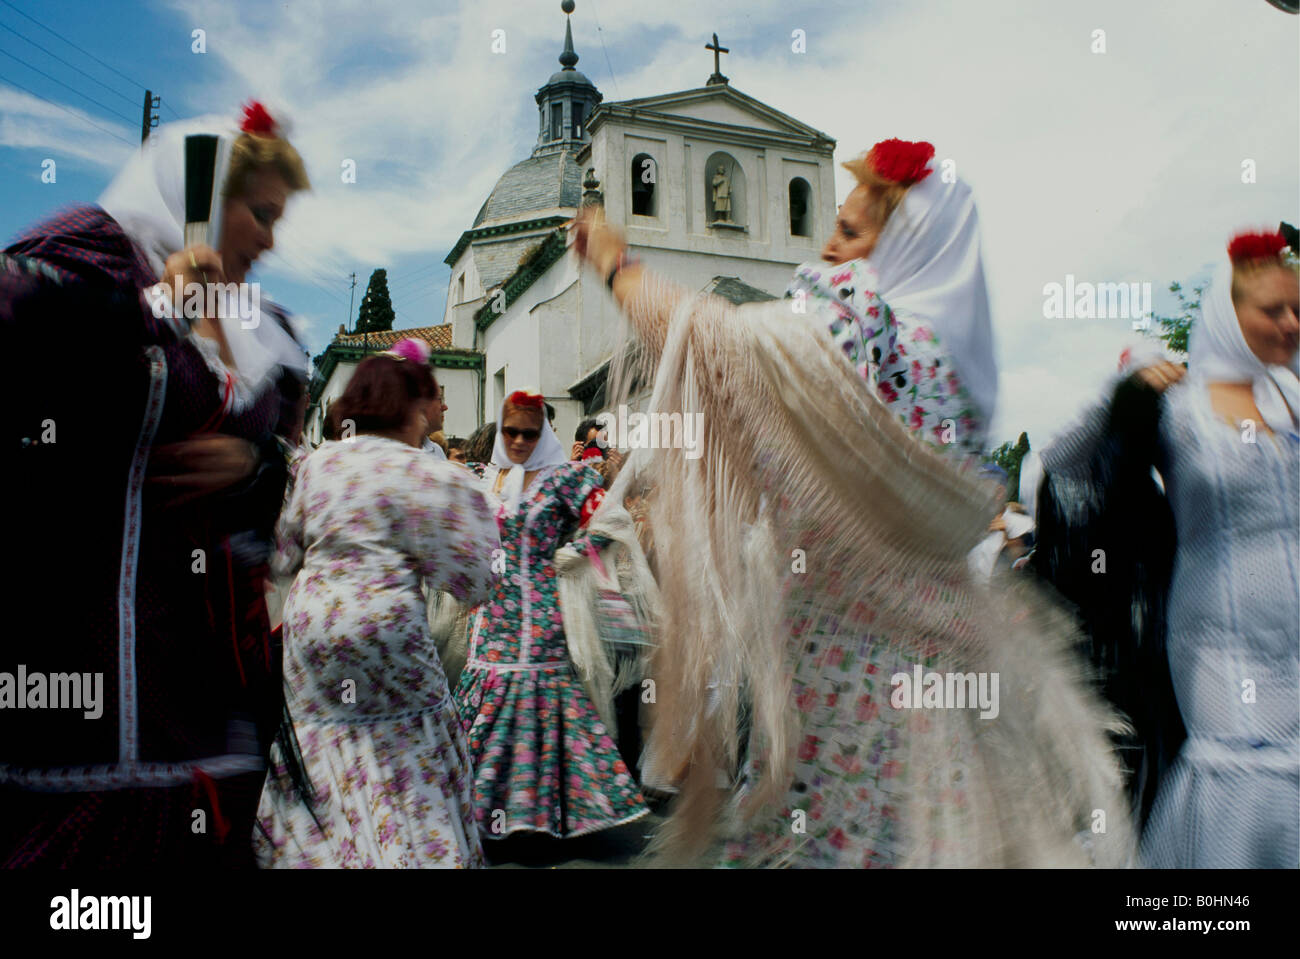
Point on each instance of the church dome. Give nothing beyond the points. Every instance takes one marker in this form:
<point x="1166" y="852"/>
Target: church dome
<point x="569" y="76"/>
<point x="533" y="185"/>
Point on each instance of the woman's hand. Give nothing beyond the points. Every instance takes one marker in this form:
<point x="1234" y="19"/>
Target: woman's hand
<point x="614" y="463"/>
<point x="1160" y="376"/>
<point x="200" y="466"/>
<point x="195" y="264"/>
<point x="575" y="453"/>
<point x="596" y="242"/>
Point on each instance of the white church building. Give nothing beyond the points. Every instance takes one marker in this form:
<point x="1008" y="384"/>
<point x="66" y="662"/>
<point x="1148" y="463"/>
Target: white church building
<point x="712" y="188"/>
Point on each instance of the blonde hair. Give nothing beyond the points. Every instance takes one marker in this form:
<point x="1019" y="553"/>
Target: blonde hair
<point x="1245" y="272"/>
<point x="884" y="196"/>
<point x="252" y="153"/>
<point x="538" y="412"/>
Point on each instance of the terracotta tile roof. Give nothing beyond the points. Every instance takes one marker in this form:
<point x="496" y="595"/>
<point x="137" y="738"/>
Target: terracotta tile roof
<point x="438" y="337"/>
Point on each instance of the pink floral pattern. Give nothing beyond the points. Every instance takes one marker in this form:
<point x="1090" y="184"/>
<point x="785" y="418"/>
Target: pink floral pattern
<point x="845" y="806"/>
<point x="544" y="761"/>
<point x="368" y="520"/>
<point x="898" y="355"/>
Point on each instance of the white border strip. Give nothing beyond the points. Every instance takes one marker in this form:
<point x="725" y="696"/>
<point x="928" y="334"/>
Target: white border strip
<point x="74" y="779"/>
<point x="128" y="715"/>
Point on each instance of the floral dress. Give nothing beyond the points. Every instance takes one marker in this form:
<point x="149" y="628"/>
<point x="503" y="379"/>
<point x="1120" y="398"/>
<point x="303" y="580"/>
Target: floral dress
<point x="898" y="355"/>
<point x="544" y="761"/>
<point x="844" y="805"/>
<point x="369" y="518"/>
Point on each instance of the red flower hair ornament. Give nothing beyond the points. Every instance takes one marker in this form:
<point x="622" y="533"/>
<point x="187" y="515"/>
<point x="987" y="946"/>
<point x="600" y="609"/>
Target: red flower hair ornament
<point x="525" y="400"/>
<point x="901" y="161"/>
<point x="257" y="121"/>
<point x="1255" y="246"/>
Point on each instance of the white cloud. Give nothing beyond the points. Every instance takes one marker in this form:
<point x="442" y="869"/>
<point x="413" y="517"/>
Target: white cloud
<point x="1117" y="166"/>
<point x="27" y="122"/>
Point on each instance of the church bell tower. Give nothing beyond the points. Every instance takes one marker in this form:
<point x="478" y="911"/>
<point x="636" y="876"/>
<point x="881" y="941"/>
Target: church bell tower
<point x="565" y="101"/>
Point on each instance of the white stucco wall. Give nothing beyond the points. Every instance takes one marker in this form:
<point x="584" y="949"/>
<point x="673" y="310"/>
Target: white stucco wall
<point x="566" y="324"/>
<point x="683" y="193"/>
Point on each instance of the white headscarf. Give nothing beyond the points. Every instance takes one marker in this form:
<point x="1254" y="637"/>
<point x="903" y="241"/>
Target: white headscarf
<point x="1031" y="477"/>
<point x="147" y="199"/>
<point x="929" y="264"/>
<point x="1218" y="353"/>
<point x="547" y="453"/>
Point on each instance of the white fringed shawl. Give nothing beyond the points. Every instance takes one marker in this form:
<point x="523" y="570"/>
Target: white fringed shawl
<point x="800" y="460"/>
<point x="624" y="569"/>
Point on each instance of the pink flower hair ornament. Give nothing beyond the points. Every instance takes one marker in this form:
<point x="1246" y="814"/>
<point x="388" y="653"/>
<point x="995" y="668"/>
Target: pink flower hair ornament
<point x="417" y="351"/>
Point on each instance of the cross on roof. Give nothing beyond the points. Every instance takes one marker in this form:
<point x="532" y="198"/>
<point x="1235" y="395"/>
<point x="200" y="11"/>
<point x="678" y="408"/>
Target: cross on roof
<point x="717" y="49"/>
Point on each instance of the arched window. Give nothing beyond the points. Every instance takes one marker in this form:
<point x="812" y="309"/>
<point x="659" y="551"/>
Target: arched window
<point x="800" y="207"/>
<point x="724" y="192"/>
<point x="645" y="177"/>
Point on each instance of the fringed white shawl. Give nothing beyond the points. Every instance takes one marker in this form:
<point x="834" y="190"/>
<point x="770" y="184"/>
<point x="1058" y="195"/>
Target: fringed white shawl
<point x="622" y="567"/>
<point x="813" y="504"/>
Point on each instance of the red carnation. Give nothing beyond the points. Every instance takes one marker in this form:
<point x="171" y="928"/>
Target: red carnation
<point x="257" y="120"/>
<point x="901" y="161"/>
<point x="1255" y="246"/>
<point x="520" y="398"/>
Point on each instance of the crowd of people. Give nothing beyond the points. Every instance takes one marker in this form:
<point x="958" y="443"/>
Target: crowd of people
<point x="498" y="636"/>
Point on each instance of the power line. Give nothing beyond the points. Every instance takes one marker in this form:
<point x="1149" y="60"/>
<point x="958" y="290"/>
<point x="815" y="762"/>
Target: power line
<point x="50" y="53"/>
<point x="411" y="281"/>
<point x="73" y="45"/>
<point x="19" y="86"/>
<point x="601" y="34"/>
<point x="419" y="270"/>
<point x="65" y="86"/>
<point x="322" y="288"/>
<point x="416" y="292"/>
<point x="419" y="296"/>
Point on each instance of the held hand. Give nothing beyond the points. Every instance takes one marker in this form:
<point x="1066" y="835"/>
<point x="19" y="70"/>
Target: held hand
<point x="1160" y="376"/>
<point x="596" y="242"/>
<point x="612" y="465"/>
<point x="198" y="467"/>
<point x="575" y="453"/>
<point x="196" y="264"/>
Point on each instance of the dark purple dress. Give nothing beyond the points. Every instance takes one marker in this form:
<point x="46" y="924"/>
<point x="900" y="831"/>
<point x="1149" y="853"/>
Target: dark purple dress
<point x="164" y="605"/>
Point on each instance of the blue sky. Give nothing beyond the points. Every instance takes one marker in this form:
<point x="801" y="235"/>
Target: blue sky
<point x="1116" y="166"/>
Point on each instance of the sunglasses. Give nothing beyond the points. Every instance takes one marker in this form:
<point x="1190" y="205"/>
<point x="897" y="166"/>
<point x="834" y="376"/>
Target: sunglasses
<point x="511" y="433"/>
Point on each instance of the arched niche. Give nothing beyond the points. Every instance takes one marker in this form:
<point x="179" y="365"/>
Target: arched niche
<point x="644" y="178"/>
<point x="724" y="192"/>
<point x="801" y="207"/>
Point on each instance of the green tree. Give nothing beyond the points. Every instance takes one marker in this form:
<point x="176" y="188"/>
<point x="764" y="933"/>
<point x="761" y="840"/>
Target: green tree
<point x="376" y="308"/>
<point x="1009" y="458"/>
<point x="1175" y="329"/>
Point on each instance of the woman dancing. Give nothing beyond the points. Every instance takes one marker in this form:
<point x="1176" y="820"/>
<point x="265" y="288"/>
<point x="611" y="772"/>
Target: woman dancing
<point x="149" y="451"/>
<point x="813" y="563"/>
<point x="543" y="756"/>
<point x="1225" y="443"/>
<point x="371" y="519"/>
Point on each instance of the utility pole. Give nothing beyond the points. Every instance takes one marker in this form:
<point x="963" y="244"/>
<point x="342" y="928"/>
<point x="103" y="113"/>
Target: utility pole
<point x="150" y="119"/>
<point x="351" y="297"/>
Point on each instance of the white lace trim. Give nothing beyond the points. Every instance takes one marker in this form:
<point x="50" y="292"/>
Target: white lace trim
<point x="246" y="391"/>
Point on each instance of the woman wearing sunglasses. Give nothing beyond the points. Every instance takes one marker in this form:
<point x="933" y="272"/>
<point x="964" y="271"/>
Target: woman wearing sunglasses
<point x="544" y="760"/>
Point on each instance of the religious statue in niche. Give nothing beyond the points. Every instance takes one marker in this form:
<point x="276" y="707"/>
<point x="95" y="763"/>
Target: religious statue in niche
<point x="722" y="195"/>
